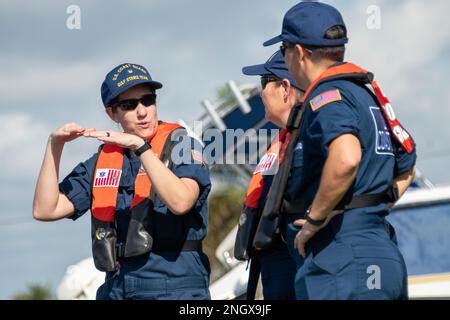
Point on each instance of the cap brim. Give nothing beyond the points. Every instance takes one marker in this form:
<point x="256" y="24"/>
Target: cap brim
<point x="272" y="41"/>
<point x="154" y="84"/>
<point x="256" y="70"/>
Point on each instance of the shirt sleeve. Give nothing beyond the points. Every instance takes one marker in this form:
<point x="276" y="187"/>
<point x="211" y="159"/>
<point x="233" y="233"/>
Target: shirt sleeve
<point x="188" y="161"/>
<point x="404" y="161"/>
<point x="77" y="186"/>
<point x="330" y="120"/>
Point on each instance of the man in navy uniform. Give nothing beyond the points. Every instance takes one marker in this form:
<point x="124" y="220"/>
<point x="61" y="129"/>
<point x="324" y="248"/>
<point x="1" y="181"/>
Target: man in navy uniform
<point x="351" y="153"/>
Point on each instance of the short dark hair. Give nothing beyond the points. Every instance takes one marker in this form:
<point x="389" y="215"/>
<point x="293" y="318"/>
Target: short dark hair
<point x="331" y="53"/>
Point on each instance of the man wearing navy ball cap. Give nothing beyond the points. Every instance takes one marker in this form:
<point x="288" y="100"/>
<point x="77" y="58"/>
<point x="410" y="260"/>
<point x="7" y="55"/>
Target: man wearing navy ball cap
<point x="353" y="160"/>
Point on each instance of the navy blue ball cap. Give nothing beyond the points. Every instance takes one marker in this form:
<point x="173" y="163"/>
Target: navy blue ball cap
<point x="274" y="66"/>
<point x="122" y="78"/>
<point x="307" y="22"/>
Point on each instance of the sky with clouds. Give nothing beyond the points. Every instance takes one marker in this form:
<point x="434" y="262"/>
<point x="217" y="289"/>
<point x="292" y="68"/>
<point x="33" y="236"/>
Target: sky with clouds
<point x="50" y="75"/>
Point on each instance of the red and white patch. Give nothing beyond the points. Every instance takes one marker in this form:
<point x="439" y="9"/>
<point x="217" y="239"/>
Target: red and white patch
<point x="266" y="162"/>
<point x="107" y="177"/>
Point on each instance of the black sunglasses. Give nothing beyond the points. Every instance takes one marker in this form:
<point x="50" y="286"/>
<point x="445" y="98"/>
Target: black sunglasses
<point x="286" y="45"/>
<point x="131" y="104"/>
<point x="266" y="79"/>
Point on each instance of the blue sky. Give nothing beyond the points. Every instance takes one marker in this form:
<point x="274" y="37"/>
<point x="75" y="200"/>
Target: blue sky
<point x="50" y="75"/>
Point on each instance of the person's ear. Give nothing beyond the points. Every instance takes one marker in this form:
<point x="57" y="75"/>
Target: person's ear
<point x="111" y="114"/>
<point x="299" y="52"/>
<point x="302" y="52"/>
<point x="286" y="84"/>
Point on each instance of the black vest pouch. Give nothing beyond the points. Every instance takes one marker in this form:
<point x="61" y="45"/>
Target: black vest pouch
<point x="248" y="222"/>
<point x="139" y="235"/>
<point x="267" y="232"/>
<point x="104" y="244"/>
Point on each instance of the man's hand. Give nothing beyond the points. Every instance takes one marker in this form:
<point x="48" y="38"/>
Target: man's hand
<point x="125" y="140"/>
<point x="308" y="231"/>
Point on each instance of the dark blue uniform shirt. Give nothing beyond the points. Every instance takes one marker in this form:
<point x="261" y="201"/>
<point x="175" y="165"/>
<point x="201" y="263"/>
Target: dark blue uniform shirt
<point x="339" y="257"/>
<point x="357" y="113"/>
<point x="168" y="226"/>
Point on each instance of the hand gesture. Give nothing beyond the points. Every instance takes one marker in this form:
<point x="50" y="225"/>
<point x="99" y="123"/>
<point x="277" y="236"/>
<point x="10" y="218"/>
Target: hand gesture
<point x="68" y="132"/>
<point x="125" y="140"/>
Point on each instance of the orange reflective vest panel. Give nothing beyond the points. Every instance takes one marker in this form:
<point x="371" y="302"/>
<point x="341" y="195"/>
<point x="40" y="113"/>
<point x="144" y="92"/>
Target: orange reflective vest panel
<point x="108" y="171"/>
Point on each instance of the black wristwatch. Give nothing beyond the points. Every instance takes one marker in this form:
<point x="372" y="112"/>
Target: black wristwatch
<point x="146" y="146"/>
<point x="310" y="220"/>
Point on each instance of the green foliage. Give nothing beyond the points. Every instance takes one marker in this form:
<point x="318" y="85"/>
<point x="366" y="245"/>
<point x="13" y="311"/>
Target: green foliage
<point x="35" y="292"/>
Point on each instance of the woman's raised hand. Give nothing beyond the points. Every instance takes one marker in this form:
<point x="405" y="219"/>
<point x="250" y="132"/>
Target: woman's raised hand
<point x="68" y="132"/>
<point x="125" y="140"/>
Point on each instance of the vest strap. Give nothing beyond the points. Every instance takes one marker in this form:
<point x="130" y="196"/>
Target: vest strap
<point x="253" y="277"/>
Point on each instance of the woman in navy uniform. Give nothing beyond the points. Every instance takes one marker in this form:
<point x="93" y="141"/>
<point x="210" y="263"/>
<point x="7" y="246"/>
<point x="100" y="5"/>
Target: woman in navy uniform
<point x="148" y="218"/>
<point x="279" y="94"/>
<point x="352" y="151"/>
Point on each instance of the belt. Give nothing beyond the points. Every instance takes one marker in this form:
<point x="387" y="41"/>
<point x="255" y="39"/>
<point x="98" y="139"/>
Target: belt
<point x="188" y="245"/>
<point x="360" y="201"/>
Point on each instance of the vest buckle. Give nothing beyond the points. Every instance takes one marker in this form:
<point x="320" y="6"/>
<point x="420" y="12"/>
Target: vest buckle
<point x="120" y="248"/>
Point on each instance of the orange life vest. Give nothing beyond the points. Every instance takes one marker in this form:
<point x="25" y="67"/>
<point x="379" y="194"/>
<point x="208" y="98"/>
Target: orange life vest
<point x="108" y="172"/>
<point x="257" y="190"/>
<point x="275" y="152"/>
<point x="105" y="185"/>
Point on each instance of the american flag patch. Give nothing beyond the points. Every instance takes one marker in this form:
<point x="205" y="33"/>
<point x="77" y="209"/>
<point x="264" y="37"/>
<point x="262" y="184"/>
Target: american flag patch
<point x="107" y="177"/>
<point x="266" y="162"/>
<point x="325" y="98"/>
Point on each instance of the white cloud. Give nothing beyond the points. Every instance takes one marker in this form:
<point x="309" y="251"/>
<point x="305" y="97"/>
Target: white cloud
<point x="47" y="80"/>
<point x="413" y="36"/>
<point x="22" y="146"/>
